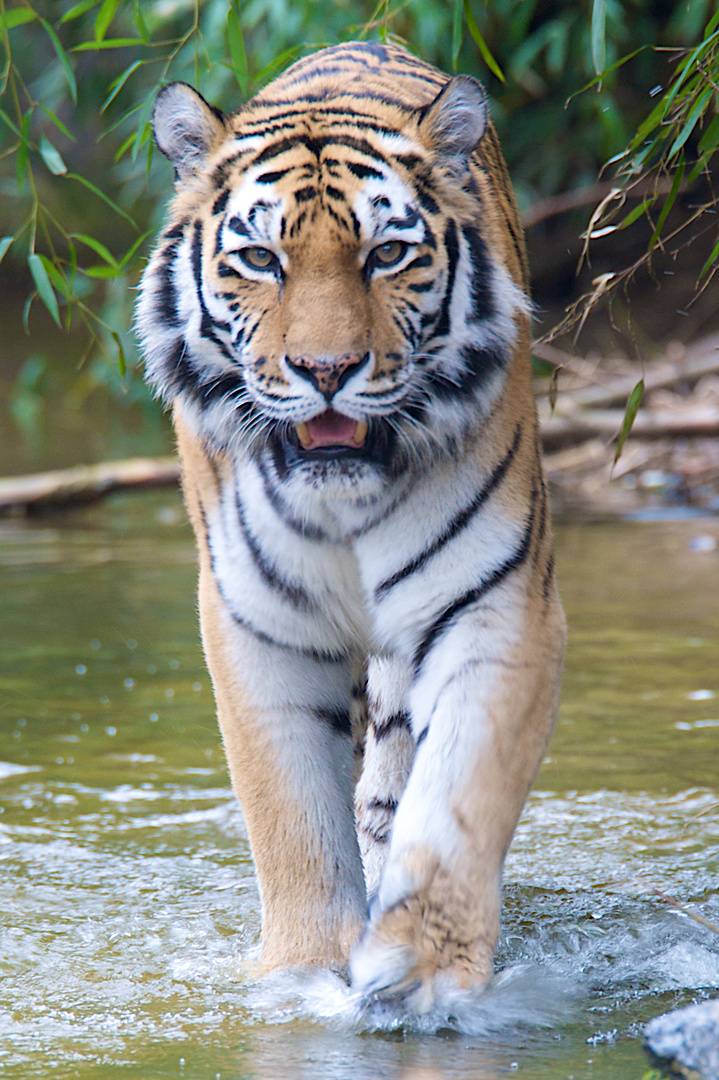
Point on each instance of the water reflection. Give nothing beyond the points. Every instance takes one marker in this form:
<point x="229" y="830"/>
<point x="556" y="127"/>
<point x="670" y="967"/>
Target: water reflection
<point x="129" y="908"/>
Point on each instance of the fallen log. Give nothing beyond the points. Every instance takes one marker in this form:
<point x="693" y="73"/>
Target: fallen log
<point x="43" y="493"/>
<point x="561" y="431"/>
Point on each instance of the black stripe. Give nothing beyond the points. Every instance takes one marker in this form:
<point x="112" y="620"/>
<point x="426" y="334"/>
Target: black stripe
<point x="391" y="723"/>
<point x="363" y="172"/>
<point x="322" y="656"/>
<point x="221" y="201"/>
<point x="389" y="805"/>
<point x="452" y="248"/>
<point x="458" y="522"/>
<point x="482" y="298"/>
<point x="272" y="177"/>
<point x="302" y="528"/>
<point x="441" y="623"/>
<point x="422" y="736"/>
<point x="337" y="718"/>
<point x="291" y="591"/>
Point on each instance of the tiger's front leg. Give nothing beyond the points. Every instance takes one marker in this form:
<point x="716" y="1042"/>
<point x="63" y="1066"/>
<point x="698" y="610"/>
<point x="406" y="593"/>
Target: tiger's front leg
<point x="482" y="708"/>
<point x="285" y="714"/>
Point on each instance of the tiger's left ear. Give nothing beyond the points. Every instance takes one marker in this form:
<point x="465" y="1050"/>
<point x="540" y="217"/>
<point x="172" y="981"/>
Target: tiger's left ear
<point x="456" y="120"/>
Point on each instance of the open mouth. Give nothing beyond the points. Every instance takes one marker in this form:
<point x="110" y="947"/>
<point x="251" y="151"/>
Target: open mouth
<point x="331" y="433"/>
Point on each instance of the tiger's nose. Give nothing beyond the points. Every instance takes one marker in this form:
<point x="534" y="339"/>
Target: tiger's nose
<point x="327" y="375"/>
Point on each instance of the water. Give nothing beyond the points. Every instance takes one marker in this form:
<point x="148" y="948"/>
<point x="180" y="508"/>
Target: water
<point x="129" y="915"/>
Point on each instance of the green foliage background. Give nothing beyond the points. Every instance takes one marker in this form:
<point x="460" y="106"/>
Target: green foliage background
<point x="573" y="85"/>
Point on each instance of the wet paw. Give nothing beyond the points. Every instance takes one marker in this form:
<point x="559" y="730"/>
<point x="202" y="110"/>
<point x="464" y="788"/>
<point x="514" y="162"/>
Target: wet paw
<point x="425" y="930"/>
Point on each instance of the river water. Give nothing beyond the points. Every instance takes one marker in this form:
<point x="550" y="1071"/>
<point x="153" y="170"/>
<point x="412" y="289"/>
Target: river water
<point x="129" y="914"/>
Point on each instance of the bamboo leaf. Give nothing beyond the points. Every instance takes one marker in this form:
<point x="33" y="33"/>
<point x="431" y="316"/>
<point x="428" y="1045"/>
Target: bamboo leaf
<point x="23" y="150"/>
<point x="131" y="251"/>
<point x="691" y="122"/>
<point x="635" y="213"/>
<point x="57" y="122"/>
<point x="4" y="245"/>
<point x="119" y="83"/>
<point x="44" y="288"/>
<point x="140" y="22"/>
<point x="144" y="131"/>
<point x="457" y="32"/>
<point x="56" y="276"/>
<point x="121" y="364"/>
<point x="63" y="58"/>
<point x="51" y="157"/>
<point x="106" y="43"/>
<point x="100" y="271"/>
<point x="104" y="17"/>
<point x="668" y="203"/>
<point x="608" y="71"/>
<point x="480" y="42"/>
<point x="712" y="259"/>
<point x="101" y="195"/>
<point x="599" y="35"/>
<point x="238" y="55"/>
<point x="16" y="17"/>
<point x="78" y="9"/>
<point x="97" y="247"/>
<point x="633" y="403"/>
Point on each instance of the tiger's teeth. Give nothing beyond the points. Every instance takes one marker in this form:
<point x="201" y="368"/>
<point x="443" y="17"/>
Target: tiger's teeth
<point x="303" y="434"/>
<point x="360" y="434"/>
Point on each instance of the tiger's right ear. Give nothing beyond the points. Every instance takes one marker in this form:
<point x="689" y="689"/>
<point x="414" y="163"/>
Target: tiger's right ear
<point x="186" y="127"/>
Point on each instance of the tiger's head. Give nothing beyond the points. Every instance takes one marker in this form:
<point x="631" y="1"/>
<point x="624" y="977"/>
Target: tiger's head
<point x="330" y="292"/>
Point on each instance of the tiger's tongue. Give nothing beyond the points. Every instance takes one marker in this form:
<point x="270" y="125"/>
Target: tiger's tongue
<point x="330" y="428"/>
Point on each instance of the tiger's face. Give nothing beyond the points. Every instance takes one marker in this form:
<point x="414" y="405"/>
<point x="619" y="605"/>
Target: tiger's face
<point x="326" y="294"/>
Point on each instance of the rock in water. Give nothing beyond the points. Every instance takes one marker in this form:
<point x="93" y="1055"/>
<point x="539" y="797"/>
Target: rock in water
<point x="687" y="1041"/>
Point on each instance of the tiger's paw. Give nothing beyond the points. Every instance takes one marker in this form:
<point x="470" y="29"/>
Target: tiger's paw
<point x="423" y="935"/>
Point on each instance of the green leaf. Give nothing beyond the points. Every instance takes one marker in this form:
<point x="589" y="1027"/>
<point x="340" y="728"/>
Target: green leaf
<point x="668" y="202"/>
<point x="4" y="245"/>
<point x="480" y="42"/>
<point x="633" y="403"/>
<point x="100" y="271"/>
<point x="78" y="9"/>
<point x="57" y="122"/>
<point x="51" y="157"/>
<point x="55" y="275"/>
<point x="98" y="248"/>
<point x="16" y="17"/>
<point x="710" y="261"/>
<point x="119" y="83"/>
<point x="140" y="22"/>
<point x="608" y="71"/>
<point x="44" y="288"/>
<point x="121" y="364"/>
<point x="101" y="195"/>
<point x="23" y="150"/>
<point x="457" y="32"/>
<point x="131" y="251"/>
<point x="710" y="139"/>
<point x="104" y="17"/>
<point x="107" y="43"/>
<point x="63" y="58"/>
<point x="144" y="130"/>
<point x="691" y="122"/>
<point x="599" y="35"/>
<point x="635" y="213"/>
<point x="13" y="127"/>
<point x="237" y="49"/>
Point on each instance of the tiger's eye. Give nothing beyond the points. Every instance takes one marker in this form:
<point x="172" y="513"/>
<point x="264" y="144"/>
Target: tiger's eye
<point x="390" y="253"/>
<point x="258" y="258"/>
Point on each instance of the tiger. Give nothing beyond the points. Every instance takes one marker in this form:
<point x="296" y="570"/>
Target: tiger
<point x="337" y="314"/>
